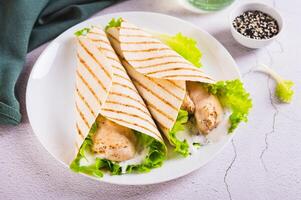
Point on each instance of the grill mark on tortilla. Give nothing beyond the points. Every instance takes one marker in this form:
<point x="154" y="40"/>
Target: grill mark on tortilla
<point x="118" y="68"/>
<point x="88" y="86"/>
<point x="96" y="33"/>
<point x="79" y="131"/>
<point x="127" y="96"/>
<point x="154" y="58"/>
<point x="131" y="115"/>
<point x="162" y="126"/>
<point x="126" y="86"/>
<point x="102" y="44"/>
<point x="129" y="28"/>
<point x="154" y="94"/>
<point x="123" y="77"/>
<point x="145" y="50"/>
<point x="129" y="35"/>
<point x="114" y="59"/>
<point x="82" y="116"/>
<point x="85" y="102"/>
<point x="128" y="105"/>
<point x="99" y="40"/>
<point x="106" y="49"/>
<point x="99" y="64"/>
<point x="175" y="85"/>
<point x="141" y="42"/>
<point x="159" y="64"/>
<point x="172" y="69"/>
<point x="186" y="75"/>
<point x="158" y="110"/>
<point x="135" y="124"/>
<point x="165" y="89"/>
<point x="91" y="72"/>
<point x="121" y="70"/>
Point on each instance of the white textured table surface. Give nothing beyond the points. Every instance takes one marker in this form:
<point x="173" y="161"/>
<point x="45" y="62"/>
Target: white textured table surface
<point x="263" y="161"/>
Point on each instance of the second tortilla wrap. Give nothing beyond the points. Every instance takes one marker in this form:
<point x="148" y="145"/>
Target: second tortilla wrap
<point x="158" y="72"/>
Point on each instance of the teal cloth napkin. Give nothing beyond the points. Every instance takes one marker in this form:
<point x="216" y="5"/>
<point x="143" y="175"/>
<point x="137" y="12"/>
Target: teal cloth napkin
<point x="26" y="24"/>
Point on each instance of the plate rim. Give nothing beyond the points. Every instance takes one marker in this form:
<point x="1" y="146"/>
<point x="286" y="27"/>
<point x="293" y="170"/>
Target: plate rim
<point x="30" y="79"/>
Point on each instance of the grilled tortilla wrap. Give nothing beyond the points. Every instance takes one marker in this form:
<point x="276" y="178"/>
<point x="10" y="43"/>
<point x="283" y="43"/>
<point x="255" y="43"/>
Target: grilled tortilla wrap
<point x="115" y="130"/>
<point x="159" y="73"/>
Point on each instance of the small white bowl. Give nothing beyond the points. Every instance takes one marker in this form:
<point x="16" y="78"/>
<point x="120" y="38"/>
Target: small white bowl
<point x="249" y="42"/>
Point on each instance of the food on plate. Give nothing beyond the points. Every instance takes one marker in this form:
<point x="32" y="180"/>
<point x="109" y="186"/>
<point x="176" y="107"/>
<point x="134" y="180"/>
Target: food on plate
<point x="185" y="102"/>
<point x="184" y="46"/>
<point x="208" y="111"/>
<point x="284" y="91"/>
<point x="115" y="131"/>
<point x="113" y="141"/>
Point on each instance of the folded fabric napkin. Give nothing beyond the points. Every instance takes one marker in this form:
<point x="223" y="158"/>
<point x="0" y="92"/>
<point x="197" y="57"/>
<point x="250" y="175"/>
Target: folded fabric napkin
<point x="26" y="24"/>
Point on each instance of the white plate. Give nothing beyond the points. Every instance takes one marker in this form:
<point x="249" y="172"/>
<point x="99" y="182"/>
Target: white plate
<point x="50" y="90"/>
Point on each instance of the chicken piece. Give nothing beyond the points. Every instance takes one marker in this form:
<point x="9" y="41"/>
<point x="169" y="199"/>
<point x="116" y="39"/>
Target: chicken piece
<point x="208" y="110"/>
<point x="113" y="141"/>
<point x="187" y="104"/>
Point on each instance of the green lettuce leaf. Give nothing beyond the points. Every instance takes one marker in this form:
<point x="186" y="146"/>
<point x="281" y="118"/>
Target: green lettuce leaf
<point x="114" y="23"/>
<point x="197" y="144"/>
<point x="94" y="169"/>
<point x="233" y="96"/>
<point x="155" y="157"/>
<point x="185" y="46"/>
<point x="284" y="91"/>
<point x="83" y="31"/>
<point x="181" y="147"/>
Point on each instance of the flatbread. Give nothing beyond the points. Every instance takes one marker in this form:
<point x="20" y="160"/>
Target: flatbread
<point x="104" y="87"/>
<point x="157" y="71"/>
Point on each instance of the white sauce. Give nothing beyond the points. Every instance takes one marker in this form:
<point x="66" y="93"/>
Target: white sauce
<point x="139" y="157"/>
<point x="221" y="130"/>
<point x="89" y="159"/>
<point x="191" y="134"/>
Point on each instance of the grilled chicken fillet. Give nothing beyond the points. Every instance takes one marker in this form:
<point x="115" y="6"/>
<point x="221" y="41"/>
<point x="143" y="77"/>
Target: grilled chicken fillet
<point x="188" y="104"/>
<point x="207" y="108"/>
<point x="114" y="142"/>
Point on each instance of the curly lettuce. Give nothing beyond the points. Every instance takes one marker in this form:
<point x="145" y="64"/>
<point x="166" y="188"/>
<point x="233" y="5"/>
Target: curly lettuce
<point x="233" y="96"/>
<point x="284" y="91"/>
<point x="156" y="154"/>
<point x="183" y="45"/>
<point x="114" y="23"/>
<point x="155" y="157"/>
<point x="96" y="168"/>
<point x="83" y="31"/>
<point x="181" y="147"/>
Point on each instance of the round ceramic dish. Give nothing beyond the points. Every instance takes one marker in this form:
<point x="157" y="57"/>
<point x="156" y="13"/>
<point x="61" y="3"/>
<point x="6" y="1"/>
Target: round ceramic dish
<point x="51" y="86"/>
<point x="254" y="43"/>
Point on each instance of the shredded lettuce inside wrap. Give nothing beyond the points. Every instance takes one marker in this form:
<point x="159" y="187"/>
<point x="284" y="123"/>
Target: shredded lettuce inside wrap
<point x="114" y="23"/>
<point x="83" y="31"/>
<point x="181" y="147"/>
<point x="233" y="96"/>
<point x="155" y="157"/>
